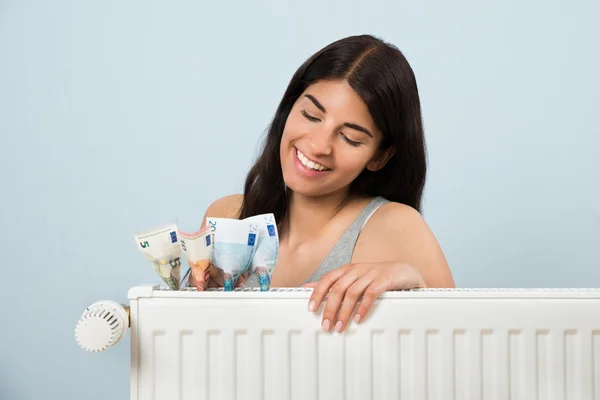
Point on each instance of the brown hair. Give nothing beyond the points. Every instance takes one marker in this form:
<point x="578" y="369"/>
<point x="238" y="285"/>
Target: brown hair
<point x="382" y="77"/>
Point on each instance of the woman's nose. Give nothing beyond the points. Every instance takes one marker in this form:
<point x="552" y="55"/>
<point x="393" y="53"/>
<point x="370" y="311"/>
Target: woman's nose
<point x="320" y="142"/>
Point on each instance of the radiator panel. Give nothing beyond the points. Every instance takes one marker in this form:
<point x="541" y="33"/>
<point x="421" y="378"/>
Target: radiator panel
<point x="517" y="345"/>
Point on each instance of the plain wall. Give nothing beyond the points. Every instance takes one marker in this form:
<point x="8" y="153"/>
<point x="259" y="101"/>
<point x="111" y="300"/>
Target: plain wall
<point x="119" y="116"/>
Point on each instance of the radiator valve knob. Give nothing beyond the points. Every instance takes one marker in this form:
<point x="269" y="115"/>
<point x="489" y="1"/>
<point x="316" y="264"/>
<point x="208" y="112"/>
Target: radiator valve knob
<point x="102" y="325"/>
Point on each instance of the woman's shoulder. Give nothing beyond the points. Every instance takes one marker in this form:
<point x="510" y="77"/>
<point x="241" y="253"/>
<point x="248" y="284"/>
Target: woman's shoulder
<point x="228" y="206"/>
<point x="391" y="221"/>
<point x="397" y="212"/>
<point x="398" y="232"/>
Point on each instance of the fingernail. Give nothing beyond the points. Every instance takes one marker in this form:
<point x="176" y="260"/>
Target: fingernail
<point x="311" y="306"/>
<point x="338" y="326"/>
<point x="357" y="318"/>
<point x="326" y="325"/>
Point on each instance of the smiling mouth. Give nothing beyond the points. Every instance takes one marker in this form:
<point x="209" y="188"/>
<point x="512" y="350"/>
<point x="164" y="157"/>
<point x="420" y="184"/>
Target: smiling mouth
<point x="310" y="164"/>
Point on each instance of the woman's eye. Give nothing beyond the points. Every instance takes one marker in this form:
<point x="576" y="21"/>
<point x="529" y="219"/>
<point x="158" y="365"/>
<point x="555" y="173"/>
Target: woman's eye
<point x="351" y="142"/>
<point x="310" y="117"/>
<point x="315" y="119"/>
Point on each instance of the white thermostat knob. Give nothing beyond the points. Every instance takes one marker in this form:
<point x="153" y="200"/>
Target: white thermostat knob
<point x="101" y="325"/>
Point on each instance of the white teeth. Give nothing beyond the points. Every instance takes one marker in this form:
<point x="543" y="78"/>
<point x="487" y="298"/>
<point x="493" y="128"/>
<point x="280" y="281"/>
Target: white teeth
<point x="308" y="163"/>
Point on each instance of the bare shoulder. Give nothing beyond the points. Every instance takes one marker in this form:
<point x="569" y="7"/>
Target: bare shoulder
<point x="396" y="216"/>
<point x="395" y="223"/>
<point x="397" y="232"/>
<point x="225" y="207"/>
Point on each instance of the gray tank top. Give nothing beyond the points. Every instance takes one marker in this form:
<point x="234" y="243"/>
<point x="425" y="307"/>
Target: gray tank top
<point x="341" y="253"/>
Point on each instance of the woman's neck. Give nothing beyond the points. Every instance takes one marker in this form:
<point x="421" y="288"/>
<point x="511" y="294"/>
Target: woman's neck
<point x="306" y="216"/>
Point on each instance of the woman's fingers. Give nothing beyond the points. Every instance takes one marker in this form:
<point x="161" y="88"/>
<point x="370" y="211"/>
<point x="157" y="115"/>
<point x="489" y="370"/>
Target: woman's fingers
<point x="337" y="294"/>
<point x="241" y="282"/>
<point x="371" y="293"/>
<point x="211" y="284"/>
<point x="215" y="278"/>
<point x="351" y="299"/>
<point x="345" y="288"/>
<point x="322" y="287"/>
<point x="363" y="282"/>
<point x="216" y="275"/>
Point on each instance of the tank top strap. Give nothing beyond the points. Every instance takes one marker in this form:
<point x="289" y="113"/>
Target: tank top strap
<point x="341" y="253"/>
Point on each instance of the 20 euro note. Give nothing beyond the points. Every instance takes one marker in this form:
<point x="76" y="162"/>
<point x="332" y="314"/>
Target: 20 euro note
<point x="160" y="246"/>
<point x="233" y="247"/>
<point x="267" y="249"/>
<point x="198" y="249"/>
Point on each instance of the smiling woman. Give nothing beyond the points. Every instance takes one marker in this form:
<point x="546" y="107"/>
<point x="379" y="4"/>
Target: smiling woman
<point x="334" y="133"/>
<point x="343" y="170"/>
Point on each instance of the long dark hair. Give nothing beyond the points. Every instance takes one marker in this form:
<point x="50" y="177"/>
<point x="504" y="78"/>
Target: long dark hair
<point x="382" y="77"/>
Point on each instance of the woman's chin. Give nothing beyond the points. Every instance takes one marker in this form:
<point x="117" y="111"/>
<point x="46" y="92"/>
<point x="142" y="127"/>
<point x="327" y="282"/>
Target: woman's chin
<point x="308" y="190"/>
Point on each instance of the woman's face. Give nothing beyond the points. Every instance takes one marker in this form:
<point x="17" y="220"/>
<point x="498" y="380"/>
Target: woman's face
<point x="328" y="140"/>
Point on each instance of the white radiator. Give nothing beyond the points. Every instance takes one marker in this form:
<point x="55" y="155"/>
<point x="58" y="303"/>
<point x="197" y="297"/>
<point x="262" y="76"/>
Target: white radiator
<point x="498" y="344"/>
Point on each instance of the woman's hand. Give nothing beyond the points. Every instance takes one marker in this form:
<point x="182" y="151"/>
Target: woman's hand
<point x="212" y="277"/>
<point x="346" y="285"/>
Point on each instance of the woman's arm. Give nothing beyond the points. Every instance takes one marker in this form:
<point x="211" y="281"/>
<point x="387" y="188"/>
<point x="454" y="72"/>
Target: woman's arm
<point x="396" y="250"/>
<point x="397" y="232"/>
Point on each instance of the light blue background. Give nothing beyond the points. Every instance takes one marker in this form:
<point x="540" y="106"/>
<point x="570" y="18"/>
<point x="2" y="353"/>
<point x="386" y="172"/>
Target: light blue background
<point x="117" y="116"/>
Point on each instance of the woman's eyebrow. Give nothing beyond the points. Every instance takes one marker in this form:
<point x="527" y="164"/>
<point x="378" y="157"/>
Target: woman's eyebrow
<point x="316" y="102"/>
<point x="358" y="128"/>
<point x="348" y="124"/>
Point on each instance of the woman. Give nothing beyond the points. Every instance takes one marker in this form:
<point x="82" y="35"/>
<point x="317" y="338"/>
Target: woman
<point x="343" y="170"/>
